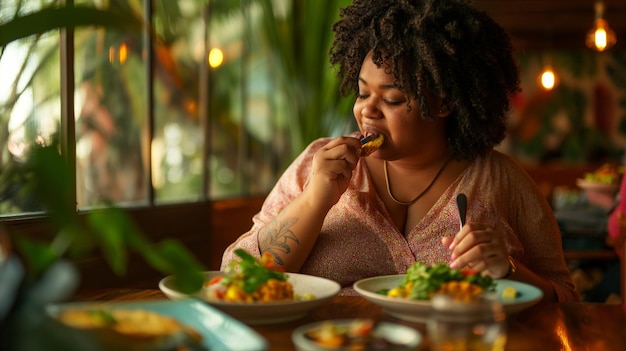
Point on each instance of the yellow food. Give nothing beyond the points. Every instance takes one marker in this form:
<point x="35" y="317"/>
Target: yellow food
<point x="460" y="290"/>
<point x="132" y="329"/>
<point x="358" y="334"/>
<point x="273" y="290"/>
<point x="606" y="174"/>
<point x="250" y="280"/>
<point x="422" y="282"/>
<point x="372" y="145"/>
<point x="509" y="293"/>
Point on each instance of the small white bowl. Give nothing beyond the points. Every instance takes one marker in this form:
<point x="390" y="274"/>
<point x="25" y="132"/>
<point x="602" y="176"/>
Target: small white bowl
<point x="403" y="337"/>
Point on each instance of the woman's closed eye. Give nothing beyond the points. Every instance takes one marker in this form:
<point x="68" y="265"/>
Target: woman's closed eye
<point x="388" y="101"/>
<point x="393" y="102"/>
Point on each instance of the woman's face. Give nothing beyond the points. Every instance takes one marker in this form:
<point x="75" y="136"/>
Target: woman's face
<point x="381" y="108"/>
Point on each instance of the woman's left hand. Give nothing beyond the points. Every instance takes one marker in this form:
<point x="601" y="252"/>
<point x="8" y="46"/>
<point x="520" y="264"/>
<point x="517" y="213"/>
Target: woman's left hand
<point x="479" y="247"/>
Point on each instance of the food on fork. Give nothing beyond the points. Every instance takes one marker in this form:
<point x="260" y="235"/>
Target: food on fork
<point x="250" y="280"/>
<point x="371" y="143"/>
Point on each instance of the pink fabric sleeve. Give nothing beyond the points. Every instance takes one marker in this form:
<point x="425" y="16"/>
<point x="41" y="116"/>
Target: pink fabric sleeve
<point x="288" y="187"/>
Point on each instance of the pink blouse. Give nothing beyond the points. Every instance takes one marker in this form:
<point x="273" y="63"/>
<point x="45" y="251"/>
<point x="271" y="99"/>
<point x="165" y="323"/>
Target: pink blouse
<point x="359" y="239"/>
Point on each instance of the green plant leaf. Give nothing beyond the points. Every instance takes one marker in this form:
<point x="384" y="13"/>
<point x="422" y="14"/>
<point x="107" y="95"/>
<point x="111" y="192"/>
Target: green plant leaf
<point x="299" y="45"/>
<point x="51" y="183"/>
<point x="110" y="230"/>
<point x="109" y="227"/>
<point x="186" y="268"/>
<point x="63" y="17"/>
<point x="38" y="255"/>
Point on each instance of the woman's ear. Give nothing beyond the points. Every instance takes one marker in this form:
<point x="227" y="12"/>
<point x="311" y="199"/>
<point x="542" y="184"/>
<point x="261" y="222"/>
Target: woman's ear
<point x="444" y="109"/>
<point x="437" y="105"/>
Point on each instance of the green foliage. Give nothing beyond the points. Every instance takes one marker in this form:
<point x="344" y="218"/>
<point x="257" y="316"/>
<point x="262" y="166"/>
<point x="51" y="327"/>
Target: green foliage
<point x="110" y="230"/>
<point x="251" y="272"/>
<point x="564" y="124"/>
<point x="299" y="46"/>
<point x="428" y="279"/>
<point x="37" y="253"/>
<point x="52" y="18"/>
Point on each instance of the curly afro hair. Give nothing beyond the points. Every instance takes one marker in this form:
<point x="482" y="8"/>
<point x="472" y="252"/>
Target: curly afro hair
<point x="448" y="47"/>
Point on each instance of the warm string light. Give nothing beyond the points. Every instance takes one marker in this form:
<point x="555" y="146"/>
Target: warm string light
<point x="601" y="36"/>
<point x="216" y="58"/>
<point x="120" y="55"/>
<point x="547" y="78"/>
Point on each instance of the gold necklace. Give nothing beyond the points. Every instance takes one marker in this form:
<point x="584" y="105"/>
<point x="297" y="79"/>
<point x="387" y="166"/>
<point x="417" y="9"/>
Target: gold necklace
<point x="409" y="203"/>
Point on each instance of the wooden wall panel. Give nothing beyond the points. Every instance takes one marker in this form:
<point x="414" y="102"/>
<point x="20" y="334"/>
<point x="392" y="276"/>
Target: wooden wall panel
<point x="554" y="24"/>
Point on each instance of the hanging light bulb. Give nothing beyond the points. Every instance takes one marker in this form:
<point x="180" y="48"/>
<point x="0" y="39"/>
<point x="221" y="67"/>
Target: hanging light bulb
<point x="601" y="36"/>
<point x="547" y="78"/>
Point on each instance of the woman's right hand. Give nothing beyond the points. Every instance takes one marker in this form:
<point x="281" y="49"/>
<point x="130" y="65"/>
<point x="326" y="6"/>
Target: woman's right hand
<point x="331" y="170"/>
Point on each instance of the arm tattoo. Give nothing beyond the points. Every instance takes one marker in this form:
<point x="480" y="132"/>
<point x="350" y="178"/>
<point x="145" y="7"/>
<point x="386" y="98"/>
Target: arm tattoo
<point x="275" y="237"/>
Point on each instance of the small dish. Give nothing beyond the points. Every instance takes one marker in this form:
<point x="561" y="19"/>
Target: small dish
<point x="610" y="188"/>
<point x="390" y="335"/>
<point x="266" y="312"/>
<point x="419" y="311"/>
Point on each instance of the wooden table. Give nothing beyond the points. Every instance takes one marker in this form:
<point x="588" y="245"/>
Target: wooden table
<point x="546" y="326"/>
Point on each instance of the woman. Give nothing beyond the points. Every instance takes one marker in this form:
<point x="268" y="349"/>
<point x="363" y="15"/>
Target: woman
<point x="434" y="78"/>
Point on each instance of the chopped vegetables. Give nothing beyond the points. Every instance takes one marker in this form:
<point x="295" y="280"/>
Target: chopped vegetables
<point x="509" y="293"/>
<point x="357" y="335"/>
<point x="606" y="174"/>
<point x="422" y="282"/>
<point x="250" y="280"/>
<point x="460" y="290"/>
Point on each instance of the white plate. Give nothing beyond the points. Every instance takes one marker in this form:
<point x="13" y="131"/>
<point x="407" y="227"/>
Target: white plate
<point x="419" y="311"/>
<point x="596" y="186"/>
<point x="267" y="312"/>
<point x="219" y="331"/>
<point x="405" y="338"/>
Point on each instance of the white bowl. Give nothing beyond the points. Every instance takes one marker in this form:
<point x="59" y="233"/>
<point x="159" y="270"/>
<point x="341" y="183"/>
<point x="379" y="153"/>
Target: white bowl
<point x="266" y="312"/>
<point x="404" y="338"/>
<point x="419" y="311"/>
<point x="610" y="188"/>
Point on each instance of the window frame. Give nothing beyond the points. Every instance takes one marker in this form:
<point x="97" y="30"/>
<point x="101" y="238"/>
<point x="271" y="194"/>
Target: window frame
<point x="206" y="226"/>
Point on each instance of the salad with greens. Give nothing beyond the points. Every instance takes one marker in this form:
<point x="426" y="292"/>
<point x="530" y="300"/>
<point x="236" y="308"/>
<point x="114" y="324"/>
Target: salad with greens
<point x="423" y="281"/>
<point x="253" y="272"/>
<point x="250" y="280"/>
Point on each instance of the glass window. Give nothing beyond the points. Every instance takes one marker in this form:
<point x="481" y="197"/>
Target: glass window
<point x="29" y="105"/>
<point x="177" y="145"/>
<point x="110" y="116"/>
<point x="213" y="101"/>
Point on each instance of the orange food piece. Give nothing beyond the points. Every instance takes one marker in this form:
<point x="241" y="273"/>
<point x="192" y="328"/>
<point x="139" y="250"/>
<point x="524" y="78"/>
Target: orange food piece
<point x="460" y="290"/>
<point x="371" y="146"/>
